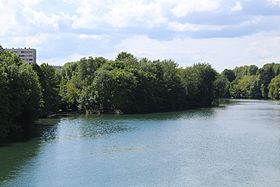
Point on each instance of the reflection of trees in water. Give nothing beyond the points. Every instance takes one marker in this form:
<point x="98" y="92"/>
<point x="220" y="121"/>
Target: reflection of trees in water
<point x="99" y="125"/>
<point x="206" y="112"/>
<point x="95" y="126"/>
<point x="14" y="156"/>
<point x="81" y="127"/>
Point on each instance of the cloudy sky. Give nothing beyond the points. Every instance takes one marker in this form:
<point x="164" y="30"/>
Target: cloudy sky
<point x="224" y="33"/>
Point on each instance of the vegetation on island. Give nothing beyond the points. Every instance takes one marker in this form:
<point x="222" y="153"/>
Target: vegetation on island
<point x="124" y="85"/>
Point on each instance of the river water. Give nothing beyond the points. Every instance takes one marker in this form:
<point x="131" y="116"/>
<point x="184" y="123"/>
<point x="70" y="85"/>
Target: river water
<point x="235" y="144"/>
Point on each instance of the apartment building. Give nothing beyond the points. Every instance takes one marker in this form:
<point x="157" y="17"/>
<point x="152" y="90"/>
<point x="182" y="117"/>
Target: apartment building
<point x="26" y="54"/>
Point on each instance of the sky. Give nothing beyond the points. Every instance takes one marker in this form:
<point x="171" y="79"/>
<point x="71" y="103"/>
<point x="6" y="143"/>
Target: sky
<point x="224" y="33"/>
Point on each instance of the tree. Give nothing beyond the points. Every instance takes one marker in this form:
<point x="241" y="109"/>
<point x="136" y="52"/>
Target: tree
<point x="1" y="49"/>
<point x="229" y="74"/>
<point x="221" y="86"/>
<point x="102" y="90"/>
<point x="20" y="95"/>
<point x="267" y="73"/>
<point x="198" y="81"/>
<point x="124" y="56"/>
<point x="4" y="102"/>
<point x="75" y="78"/>
<point x="49" y="82"/>
<point x="246" y="87"/>
<point x="245" y="70"/>
<point x="274" y="88"/>
<point x="130" y="85"/>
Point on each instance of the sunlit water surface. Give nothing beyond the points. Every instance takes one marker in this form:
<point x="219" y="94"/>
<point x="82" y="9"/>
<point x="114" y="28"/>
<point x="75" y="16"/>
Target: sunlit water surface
<point x="236" y="144"/>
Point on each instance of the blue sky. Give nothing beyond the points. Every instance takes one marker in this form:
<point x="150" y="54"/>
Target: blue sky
<point x="223" y="33"/>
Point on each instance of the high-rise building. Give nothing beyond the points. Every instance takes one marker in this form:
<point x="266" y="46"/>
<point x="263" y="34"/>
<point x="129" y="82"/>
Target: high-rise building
<point x="26" y="54"/>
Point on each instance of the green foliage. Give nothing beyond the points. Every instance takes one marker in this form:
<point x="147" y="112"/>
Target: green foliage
<point x="274" y="88"/>
<point x="128" y="85"/>
<point x="229" y="74"/>
<point x="251" y="82"/>
<point x="124" y="85"/>
<point x="198" y="82"/>
<point x="75" y="78"/>
<point x="267" y="73"/>
<point x="246" y="87"/>
<point x="49" y="82"/>
<point x="20" y="94"/>
<point x="124" y="56"/>
<point x="245" y="70"/>
<point x="221" y="86"/>
<point x="1" y="49"/>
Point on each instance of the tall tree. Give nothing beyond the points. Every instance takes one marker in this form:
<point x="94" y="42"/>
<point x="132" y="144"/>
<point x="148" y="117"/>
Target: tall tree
<point x="50" y="88"/>
<point x="199" y="83"/>
<point x="221" y="86"/>
<point x="229" y="74"/>
<point x="20" y="95"/>
<point x="267" y="73"/>
<point x="274" y="88"/>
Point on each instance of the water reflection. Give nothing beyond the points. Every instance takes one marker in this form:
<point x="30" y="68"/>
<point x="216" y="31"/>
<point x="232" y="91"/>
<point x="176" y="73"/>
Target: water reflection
<point x="236" y="144"/>
<point x="81" y="127"/>
<point x="168" y="116"/>
<point x="101" y="125"/>
<point x="13" y="157"/>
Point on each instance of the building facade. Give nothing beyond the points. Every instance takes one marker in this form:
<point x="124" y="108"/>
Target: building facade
<point x="26" y="54"/>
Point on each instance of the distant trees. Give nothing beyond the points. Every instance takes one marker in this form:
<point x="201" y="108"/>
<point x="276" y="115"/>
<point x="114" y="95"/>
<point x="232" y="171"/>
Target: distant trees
<point x="267" y="73"/>
<point x="253" y="83"/>
<point x="274" y="88"/>
<point x="245" y="87"/>
<point x="245" y="70"/>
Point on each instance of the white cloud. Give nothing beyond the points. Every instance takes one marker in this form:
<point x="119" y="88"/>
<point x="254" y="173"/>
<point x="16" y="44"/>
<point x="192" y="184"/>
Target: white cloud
<point x="106" y="27"/>
<point x="176" y="26"/>
<point x="275" y="2"/>
<point x="184" y="7"/>
<point x="91" y="36"/>
<point x="117" y="14"/>
<point x="123" y="13"/>
<point x="63" y="60"/>
<point x="220" y="52"/>
<point x="8" y="20"/>
<point x="60" y="61"/>
<point x="35" y="41"/>
<point x="20" y="17"/>
<point x="237" y="7"/>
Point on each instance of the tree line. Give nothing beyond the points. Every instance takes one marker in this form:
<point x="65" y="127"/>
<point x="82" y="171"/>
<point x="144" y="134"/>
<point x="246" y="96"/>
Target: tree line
<point x="131" y="85"/>
<point x="123" y="85"/>
<point x="251" y="82"/>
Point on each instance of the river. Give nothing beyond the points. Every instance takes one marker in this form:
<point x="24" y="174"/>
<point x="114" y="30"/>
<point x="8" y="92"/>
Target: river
<point x="235" y="144"/>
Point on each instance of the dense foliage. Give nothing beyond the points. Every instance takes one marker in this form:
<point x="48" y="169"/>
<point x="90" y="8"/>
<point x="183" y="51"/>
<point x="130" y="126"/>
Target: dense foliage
<point x="49" y="82"/>
<point x="129" y="85"/>
<point x="123" y="85"/>
<point x="20" y="94"/>
<point x="26" y="93"/>
<point x="250" y="82"/>
<point x="274" y="88"/>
